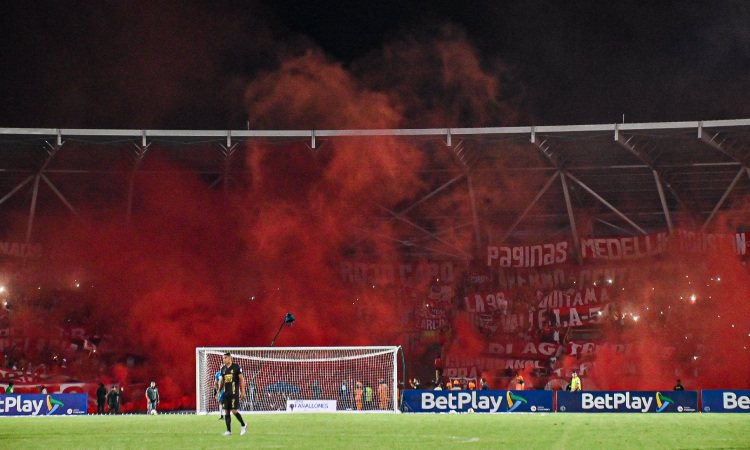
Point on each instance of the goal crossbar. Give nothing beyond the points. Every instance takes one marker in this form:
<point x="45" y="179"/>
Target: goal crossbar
<point x="270" y="359"/>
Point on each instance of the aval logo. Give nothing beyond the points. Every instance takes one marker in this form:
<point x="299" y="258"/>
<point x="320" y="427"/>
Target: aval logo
<point x="514" y="401"/>
<point x="53" y="404"/>
<point x="662" y="402"/>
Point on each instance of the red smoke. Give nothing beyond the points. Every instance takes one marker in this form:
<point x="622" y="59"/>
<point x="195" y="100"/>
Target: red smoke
<point x="200" y="268"/>
<point x="696" y="327"/>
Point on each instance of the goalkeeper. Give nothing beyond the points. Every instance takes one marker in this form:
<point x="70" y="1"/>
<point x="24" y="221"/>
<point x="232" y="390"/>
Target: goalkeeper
<point x="220" y="398"/>
<point x="232" y="384"/>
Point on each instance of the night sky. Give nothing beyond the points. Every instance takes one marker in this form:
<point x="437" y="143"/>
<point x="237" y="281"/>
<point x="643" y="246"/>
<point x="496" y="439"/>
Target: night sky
<point x="187" y="64"/>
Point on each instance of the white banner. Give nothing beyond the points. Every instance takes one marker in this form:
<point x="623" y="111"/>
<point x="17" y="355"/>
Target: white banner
<point x="306" y="406"/>
<point x="404" y="273"/>
<point x="528" y="255"/>
<point x="624" y="247"/>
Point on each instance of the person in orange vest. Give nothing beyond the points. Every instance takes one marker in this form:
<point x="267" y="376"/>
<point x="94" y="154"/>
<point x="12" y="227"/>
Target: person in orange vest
<point x="456" y="386"/>
<point x="358" y="392"/>
<point x="383" y="394"/>
<point x="519" y="382"/>
<point x="472" y="386"/>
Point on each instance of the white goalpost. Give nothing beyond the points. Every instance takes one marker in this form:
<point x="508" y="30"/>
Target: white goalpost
<point x="304" y="379"/>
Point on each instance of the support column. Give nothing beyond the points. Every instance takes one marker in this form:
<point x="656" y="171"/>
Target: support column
<point x="140" y="153"/>
<point x="53" y="149"/>
<point x="419" y="202"/>
<point x="664" y="206"/>
<point x="607" y="204"/>
<point x="528" y="208"/>
<point x="724" y="197"/>
<point x="16" y="189"/>
<point x="229" y="151"/>
<point x="60" y="196"/>
<point x="32" y="211"/>
<point x="428" y="233"/>
<point x="571" y="217"/>
<point x="683" y="198"/>
<point x="713" y="141"/>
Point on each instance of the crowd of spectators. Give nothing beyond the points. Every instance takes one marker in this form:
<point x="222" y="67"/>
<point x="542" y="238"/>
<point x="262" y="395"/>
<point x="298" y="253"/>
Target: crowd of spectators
<point x="45" y="335"/>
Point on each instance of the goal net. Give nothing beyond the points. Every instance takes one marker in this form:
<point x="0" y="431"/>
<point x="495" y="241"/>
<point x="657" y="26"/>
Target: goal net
<point x="304" y="379"/>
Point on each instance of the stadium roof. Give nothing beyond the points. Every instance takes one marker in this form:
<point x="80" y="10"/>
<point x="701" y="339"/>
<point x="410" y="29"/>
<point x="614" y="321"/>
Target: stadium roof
<point x="243" y="134"/>
<point x="602" y="179"/>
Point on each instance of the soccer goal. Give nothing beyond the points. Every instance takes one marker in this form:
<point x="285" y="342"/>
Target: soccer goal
<point x="304" y="379"/>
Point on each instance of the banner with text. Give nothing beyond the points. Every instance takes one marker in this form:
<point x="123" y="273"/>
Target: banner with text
<point x="431" y="319"/>
<point x="717" y="400"/>
<point x="499" y="301"/>
<point x="43" y="404"/>
<point x="477" y="401"/>
<point x="383" y="273"/>
<point x="562" y="277"/>
<point x="529" y="255"/>
<point x="565" y="317"/>
<point x="616" y="249"/>
<point x="475" y="367"/>
<point x="546" y="350"/>
<point x="627" y="401"/>
<point x="306" y="406"/>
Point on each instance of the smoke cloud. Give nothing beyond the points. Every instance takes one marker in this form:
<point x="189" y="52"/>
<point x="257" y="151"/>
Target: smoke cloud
<point x="197" y="267"/>
<point x="200" y="268"/>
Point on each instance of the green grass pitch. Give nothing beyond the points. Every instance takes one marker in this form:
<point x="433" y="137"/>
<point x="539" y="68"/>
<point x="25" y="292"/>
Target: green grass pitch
<point x="371" y="431"/>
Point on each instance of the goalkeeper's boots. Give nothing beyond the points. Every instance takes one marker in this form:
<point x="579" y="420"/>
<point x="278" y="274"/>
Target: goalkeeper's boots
<point x="227" y="433"/>
<point x="244" y="430"/>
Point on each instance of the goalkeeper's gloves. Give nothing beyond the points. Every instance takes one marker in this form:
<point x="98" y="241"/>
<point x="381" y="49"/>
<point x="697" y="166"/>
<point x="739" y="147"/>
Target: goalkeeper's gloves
<point x="215" y="391"/>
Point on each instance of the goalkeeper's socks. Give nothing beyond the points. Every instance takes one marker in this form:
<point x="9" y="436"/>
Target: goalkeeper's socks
<point x="239" y="417"/>
<point x="228" y="420"/>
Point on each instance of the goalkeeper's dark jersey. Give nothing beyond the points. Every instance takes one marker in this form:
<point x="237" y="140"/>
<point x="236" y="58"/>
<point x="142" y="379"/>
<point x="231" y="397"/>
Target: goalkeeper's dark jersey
<point x="231" y="376"/>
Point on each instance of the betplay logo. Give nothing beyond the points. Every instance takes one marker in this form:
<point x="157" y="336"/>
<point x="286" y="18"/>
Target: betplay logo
<point x="461" y="400"/>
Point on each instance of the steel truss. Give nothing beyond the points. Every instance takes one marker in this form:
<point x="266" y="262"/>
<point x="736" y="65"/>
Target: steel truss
<point x="727" y="138"/>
